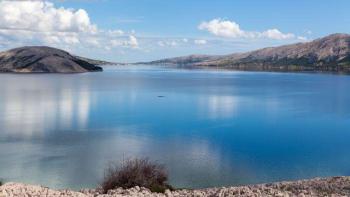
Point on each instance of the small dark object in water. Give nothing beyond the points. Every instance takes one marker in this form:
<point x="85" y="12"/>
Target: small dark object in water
<point x="161" y="96"/>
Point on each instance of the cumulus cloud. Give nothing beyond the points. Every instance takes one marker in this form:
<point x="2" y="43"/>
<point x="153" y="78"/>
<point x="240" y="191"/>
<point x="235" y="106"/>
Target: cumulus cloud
<point x="42" y="16"/>
<point x="170" y="43"/>
<point x="42" y="23"/>
<point x="132" y="42"/>
<point x="222" y="28"/>
<point x="230" y="29"/>
<point x="276" y="34"/>
<point x="200" y="42"/>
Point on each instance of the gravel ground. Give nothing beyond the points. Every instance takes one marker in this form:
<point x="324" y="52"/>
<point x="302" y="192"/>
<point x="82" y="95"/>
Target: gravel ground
<point x="334" y="187"/>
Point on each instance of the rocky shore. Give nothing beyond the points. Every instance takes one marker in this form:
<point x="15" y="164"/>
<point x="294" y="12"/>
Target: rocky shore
<point x="334" y="186"/>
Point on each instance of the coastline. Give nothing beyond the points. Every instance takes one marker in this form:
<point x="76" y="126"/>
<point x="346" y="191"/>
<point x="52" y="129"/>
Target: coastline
<point x="332" y="186"/>
<point x="226" y="68"/>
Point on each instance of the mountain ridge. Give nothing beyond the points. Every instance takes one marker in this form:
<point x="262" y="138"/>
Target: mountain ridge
<point x="330" y="53"/>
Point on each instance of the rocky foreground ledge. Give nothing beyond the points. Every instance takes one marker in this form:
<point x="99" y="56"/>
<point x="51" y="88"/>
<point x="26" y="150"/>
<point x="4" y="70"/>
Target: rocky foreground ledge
<point x="335" y="186"/>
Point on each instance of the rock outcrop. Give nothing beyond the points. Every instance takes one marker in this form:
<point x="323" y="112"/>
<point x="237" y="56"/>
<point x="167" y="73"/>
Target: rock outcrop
<point x="336" y="187"/>
<point x="40" y="59"/>
<point x="331" y="53"/>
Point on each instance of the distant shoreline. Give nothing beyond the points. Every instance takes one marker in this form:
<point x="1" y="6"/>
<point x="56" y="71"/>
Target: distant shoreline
<point x="332" y="186"/>
<point x="218" y="68"/>
<point x="328" y="54"/>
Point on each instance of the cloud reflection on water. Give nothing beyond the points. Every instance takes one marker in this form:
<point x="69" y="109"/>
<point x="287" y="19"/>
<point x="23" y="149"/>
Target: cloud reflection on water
<point x="219" y="106"/>
<point x="26" y="114"/>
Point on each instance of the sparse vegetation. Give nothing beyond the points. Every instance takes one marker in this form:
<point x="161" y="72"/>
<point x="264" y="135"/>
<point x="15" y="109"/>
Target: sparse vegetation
<point x="136" y="172"/>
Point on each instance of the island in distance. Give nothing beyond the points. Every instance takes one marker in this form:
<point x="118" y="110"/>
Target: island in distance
<point x="42" y="59"/>
<point x="331" y="54"/>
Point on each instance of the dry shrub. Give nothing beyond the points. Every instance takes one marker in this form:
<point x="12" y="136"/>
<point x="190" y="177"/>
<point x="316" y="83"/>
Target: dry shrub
<point x="136" y="172"/>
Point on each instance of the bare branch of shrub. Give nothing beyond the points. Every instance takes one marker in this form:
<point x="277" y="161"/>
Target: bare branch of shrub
<point x="136" y="172"/>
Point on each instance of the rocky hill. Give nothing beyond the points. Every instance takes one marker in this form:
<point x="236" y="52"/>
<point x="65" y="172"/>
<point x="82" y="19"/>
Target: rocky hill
<point x="331" y="53"/>
<point x="41" y="59"/>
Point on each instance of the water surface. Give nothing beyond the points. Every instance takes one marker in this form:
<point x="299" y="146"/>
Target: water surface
<point x="210" y="128"/>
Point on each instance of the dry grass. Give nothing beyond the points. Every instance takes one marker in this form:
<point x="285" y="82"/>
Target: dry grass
<point x="136" y="172"/>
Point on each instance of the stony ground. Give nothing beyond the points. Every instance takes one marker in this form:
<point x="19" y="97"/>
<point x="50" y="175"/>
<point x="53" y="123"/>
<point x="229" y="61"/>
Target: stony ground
<point x="334" y="187"/>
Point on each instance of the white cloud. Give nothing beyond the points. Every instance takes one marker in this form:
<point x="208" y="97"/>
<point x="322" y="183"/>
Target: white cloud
<point x="132" y="42"/>
<point x="171" y="43"/>
<point x="115" y="32"/>
<point x="200" y="42"/>
<point x="276" y="34"/>
<point x="41" y="23"/>
<point x="222" y="28"/>
<point x="302" y="38"/>
<point x="42" y="16"/>
<point x="230" y="29"/>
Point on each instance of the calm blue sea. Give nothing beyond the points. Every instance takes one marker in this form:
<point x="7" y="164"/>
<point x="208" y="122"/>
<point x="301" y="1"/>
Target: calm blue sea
<point x="210" y="128"/>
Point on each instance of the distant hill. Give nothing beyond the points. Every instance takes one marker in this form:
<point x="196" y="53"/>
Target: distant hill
<point x="98" y="62"/>
<point x="331" y="53"/>
<point x="186" y="60"/>
<point x="41" y="59"/>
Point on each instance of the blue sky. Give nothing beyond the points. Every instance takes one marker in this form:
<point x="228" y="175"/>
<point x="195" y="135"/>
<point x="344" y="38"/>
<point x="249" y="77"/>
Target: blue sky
<point x="154" y="29"/>
<point x="181" y="17"/>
